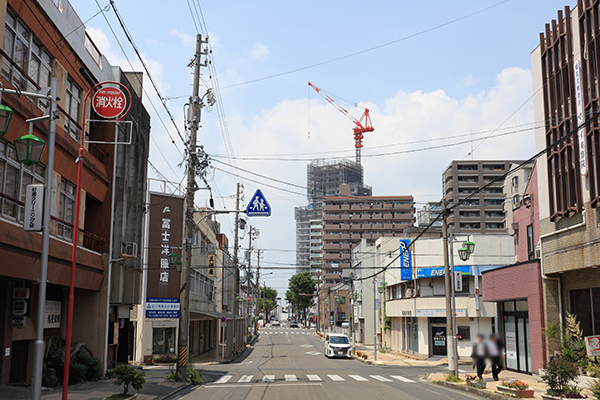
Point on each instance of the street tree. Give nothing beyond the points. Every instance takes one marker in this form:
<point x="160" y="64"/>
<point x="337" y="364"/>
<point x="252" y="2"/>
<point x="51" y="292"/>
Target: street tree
<point x="301" y="283"/>
<point x="270" y="302"/>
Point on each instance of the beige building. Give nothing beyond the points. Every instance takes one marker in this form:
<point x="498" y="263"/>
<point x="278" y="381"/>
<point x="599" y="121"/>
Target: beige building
<point x="564" y="69"/>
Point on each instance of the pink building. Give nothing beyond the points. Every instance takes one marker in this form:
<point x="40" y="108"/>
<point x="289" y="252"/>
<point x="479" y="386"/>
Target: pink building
<point x="517" y="289"/>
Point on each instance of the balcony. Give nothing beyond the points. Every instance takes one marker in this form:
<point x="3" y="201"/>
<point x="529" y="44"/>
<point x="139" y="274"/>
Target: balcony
<point x="13" y="210"/>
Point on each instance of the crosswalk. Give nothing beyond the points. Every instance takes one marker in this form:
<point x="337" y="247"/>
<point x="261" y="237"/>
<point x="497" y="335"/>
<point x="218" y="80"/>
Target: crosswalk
<point x="267" y="332"/>
<point x="313" y="378"/>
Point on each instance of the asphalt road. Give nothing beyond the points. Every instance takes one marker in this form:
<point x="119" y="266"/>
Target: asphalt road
<point x="288" y="363"/>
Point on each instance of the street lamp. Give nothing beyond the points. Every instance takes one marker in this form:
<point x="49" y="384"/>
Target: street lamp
<point x="29" y="149"/>
<point x="5" y="116"/>
<point x="464" y="253"/>
<point x="381" y="287"/>
<point x="469" y="245"/>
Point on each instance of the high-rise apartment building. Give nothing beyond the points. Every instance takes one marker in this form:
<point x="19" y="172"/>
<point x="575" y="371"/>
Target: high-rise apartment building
<point x="323" y="179"/>
<point x="347" y="219"/>
<point x="483" y="212"/>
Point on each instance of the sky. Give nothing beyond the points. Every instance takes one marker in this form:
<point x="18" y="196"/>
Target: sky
<point x="435" y="75"/>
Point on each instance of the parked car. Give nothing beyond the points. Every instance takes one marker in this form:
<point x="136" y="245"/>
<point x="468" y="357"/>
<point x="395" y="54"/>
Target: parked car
<point x="293" y="324"/>
<point x="275" y="322"/>
<point x="337" y="345"/>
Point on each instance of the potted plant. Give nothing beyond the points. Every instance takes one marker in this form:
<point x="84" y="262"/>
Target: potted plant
<point x="359" y="353"/>
<point x="474" y="381"/>
<point x="559" y="374"/>
<point x="518" y="388"/>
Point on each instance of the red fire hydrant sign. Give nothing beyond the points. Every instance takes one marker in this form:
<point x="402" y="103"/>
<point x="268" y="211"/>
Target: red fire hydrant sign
<point x="109" y="102"/>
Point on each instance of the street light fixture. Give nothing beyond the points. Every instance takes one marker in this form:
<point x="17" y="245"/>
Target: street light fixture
<point x="381" y="287"/>
<point x="5" y="116"/>
<point x="469" y="245"/>
<point x="464" y="253"/>
<point x="29" y="149"/>
<point x="172" y="258"/>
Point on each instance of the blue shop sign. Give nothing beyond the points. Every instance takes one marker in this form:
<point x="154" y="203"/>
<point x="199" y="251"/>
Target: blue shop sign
<point x="439" y="272"/>
<point x="157" y="307"/>
<point x="405" y="261"/>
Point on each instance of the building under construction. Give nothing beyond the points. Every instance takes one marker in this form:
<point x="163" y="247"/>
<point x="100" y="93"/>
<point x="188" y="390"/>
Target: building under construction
<point x="323" y="180"/>
<point x="325" y="177"/>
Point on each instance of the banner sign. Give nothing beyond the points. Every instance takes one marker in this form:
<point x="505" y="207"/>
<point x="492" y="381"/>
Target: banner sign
<point x="405" y="260"/>
<point x="439" y="272"/>
<point x="460" y="312"/>
<point x="581" y="133"/>
<point x="34" y="203"/>
<point x="162" y="307"/>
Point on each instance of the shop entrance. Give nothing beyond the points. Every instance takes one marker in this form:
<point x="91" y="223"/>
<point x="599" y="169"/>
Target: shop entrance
<point x="516" y="336"/>
<point x="438" y="341"/>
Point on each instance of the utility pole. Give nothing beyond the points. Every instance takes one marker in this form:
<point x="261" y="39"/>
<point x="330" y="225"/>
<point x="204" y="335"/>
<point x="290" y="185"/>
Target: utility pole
<point x="236" y="244"/>
<point x="448" y="285"/>
<point x="193" y="162"/>
<point x="375" y="318"/>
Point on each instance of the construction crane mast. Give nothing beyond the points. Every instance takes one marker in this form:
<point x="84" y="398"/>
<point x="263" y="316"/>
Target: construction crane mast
<point x="362" y="125"/>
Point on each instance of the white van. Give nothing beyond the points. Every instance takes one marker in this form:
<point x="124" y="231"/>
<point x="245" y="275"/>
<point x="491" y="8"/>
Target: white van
<point x="337" y="345"/>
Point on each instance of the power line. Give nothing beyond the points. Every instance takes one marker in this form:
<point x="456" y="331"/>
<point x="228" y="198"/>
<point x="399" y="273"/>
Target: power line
<point x="369" y="49"/>
<point x="137" y="52"/>
<point x="140" y="81"/>
<point x="498" y="178"/>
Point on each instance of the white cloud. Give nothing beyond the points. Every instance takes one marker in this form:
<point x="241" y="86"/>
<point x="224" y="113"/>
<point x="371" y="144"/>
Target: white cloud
<point x="185" y="39"/>
<point x="258" y="52"/>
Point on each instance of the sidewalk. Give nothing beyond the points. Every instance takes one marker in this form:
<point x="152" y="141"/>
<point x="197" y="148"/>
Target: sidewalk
<point x="155" y="387"/>
<point x="532" y="380"/>
<point x="388" y="358"/>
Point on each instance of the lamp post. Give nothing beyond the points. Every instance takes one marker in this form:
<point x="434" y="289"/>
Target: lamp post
<point x="30" y="152"/>
<point x="464" y="253"/>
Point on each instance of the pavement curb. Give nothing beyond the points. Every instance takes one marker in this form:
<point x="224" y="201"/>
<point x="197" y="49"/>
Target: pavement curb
<point x="175" y="391"/>
<point x="469" y="389"/>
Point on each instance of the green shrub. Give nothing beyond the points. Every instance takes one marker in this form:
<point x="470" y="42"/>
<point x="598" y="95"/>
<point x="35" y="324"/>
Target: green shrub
<point x="452" y="378"/>
<point x="77" y="372"/>
<point x="94" y="368"/>
<point x="194" y="375"/>
<point x="129" y="376"/>
<point x="559" y="373"/>
<point x="593" y="370"/>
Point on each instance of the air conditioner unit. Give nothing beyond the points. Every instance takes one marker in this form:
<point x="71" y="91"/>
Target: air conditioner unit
<point x="538" y="253"/>
<point x="129" y="250"/>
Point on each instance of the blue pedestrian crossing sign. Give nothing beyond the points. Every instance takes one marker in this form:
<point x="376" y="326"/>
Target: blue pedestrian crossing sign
<point x="258" y="206"/>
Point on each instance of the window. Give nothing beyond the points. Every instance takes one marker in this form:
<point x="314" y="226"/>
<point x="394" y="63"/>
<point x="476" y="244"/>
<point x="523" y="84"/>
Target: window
<point x="163" y="340"/>
<point x="465" y="285"/>
<point x="72" y="108"/>
<point x="341" y="316"/>
<point x="470" y="226"/>
<point x="24" y="49"/>
<point x="463" y="332"/>
<point x="14" y="178"/>
<point x="342" y="300"/>
<point x="494" y="225"/>
<point x="530" y="244"/>
<point x="66" y="209"/>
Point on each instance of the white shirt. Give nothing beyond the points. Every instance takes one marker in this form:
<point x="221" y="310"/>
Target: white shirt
<point x="492" y="349"/>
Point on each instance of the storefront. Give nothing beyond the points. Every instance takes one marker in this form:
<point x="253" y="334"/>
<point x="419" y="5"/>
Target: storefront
<point x="517" y="289"/>
<point x="515" y="316"/>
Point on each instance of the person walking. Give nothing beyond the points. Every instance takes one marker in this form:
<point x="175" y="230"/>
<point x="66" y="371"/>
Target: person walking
<point x="479" y="354"/>
<point x="495" y="351"/>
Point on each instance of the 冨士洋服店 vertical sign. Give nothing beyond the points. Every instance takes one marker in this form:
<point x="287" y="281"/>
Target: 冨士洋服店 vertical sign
<point x="165" y="235"/>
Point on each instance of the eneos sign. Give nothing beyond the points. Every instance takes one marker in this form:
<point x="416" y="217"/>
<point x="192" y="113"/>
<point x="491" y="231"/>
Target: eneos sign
<point x="109" y="102"/>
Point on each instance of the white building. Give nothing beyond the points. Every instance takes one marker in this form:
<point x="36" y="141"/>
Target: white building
<point x="414" y="298"/>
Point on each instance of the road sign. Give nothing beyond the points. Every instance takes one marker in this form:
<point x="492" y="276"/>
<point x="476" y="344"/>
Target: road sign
<point x="109" y="102"/>
<point x="258" y="205"/>
<point x="249" y="298"/>
<point x="223" y="319"/>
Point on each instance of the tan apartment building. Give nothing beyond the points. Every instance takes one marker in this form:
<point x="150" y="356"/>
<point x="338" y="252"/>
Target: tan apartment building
<point x="347" y="219"/>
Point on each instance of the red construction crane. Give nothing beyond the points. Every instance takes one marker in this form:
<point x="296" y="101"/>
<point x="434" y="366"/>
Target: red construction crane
<point x="362" y="125"/>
